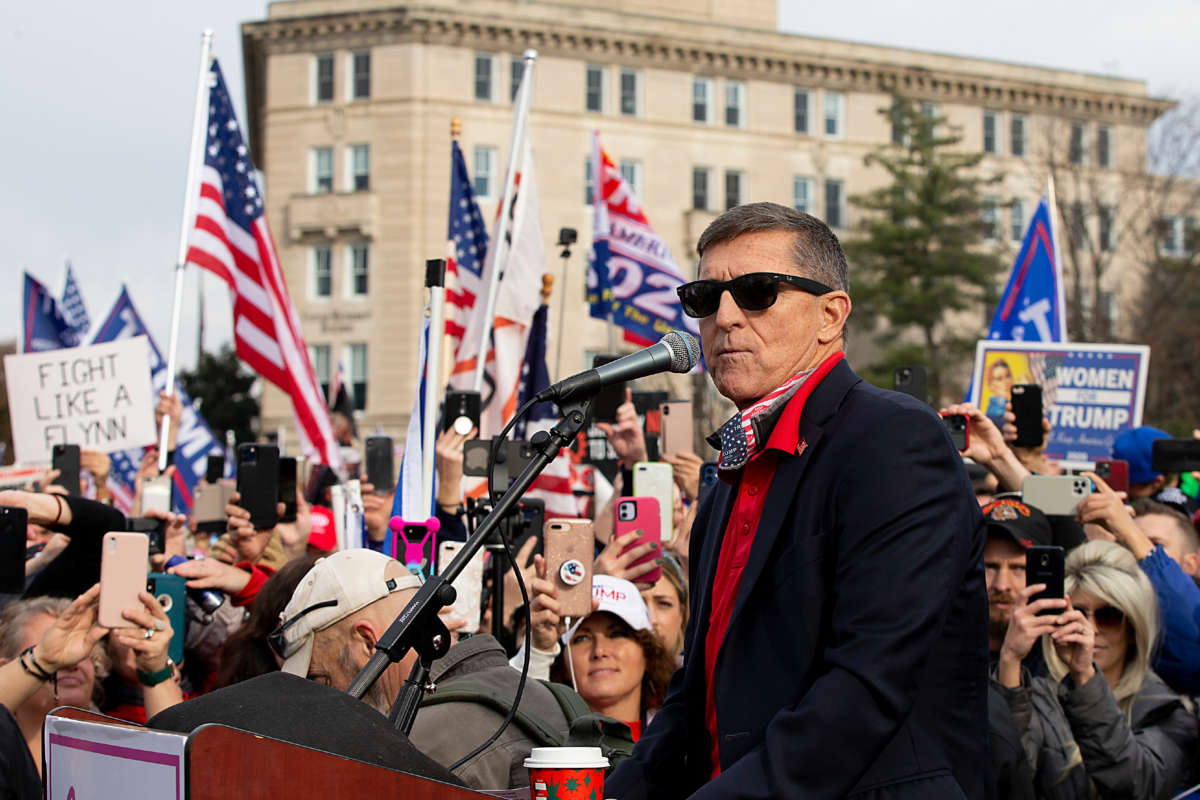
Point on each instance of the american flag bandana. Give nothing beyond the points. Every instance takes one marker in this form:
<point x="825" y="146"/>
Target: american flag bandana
<point x="743" y="436"/>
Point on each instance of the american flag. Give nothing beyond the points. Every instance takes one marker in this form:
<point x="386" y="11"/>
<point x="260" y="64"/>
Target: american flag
<point x="231" y="239"/>
<point x="468" y="243"/>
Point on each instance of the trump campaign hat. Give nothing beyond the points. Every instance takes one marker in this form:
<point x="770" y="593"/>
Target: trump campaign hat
<point x="1024" y="524"/>
<point x="620" y="598"/>
<point x="335" y="587"/>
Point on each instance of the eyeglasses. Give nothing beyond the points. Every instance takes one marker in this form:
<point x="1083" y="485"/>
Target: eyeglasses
<point x="754" y="291"/>
<point x="1105" y="616"/>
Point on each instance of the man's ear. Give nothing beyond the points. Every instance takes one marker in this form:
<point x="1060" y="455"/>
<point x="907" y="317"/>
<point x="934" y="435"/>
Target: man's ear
<point x="364" y="635"/>
<point x="1191" y="564"/>
<point x="835" y="310"/>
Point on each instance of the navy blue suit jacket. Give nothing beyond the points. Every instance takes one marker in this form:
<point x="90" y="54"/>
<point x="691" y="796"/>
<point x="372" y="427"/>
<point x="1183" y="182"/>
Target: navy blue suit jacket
<point x="855" y="662"/>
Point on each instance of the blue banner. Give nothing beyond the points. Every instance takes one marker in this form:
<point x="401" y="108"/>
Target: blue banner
<point x="1031" y="308"/>
<point x="195" y="441"/>
<point x="45" y="326"/>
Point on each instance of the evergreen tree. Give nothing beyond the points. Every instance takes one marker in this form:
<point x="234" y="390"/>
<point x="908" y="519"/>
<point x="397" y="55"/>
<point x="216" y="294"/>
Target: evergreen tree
<point x="919" y="254"/>
<point x="220" y="388"/>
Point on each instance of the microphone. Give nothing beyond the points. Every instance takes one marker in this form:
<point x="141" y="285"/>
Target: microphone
<point x="675" y="352"/>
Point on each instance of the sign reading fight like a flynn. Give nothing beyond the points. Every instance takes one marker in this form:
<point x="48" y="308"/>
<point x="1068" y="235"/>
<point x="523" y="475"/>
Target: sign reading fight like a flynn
<point x="1090" y="392"/>
<point x="194" y="442"/>
<point x="97" y="397"/>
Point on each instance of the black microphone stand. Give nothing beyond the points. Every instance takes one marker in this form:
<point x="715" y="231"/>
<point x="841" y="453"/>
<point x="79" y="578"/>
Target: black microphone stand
<point x="418" y="626"/>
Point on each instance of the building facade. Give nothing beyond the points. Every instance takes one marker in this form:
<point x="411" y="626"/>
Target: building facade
<point x="704" y="105"/>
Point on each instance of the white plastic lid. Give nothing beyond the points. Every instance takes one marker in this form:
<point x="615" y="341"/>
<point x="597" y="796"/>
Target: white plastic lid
<point x="558" y="757"/>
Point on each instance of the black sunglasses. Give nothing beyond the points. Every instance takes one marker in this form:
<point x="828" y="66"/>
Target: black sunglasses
<point x="754" y="291"/>
<point x="1105" y="616"/>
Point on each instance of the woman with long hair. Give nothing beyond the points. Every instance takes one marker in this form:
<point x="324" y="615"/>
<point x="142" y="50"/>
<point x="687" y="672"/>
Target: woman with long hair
<point x="1102" y="723"/>
<point x="667" y="602"/>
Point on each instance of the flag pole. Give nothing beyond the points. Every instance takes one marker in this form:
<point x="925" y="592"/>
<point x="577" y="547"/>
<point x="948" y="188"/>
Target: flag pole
<point x="435" y="281"/>
<point x="195" y="154"/>
<point x="1058" y="271"/>
<point x="503" y="227"/>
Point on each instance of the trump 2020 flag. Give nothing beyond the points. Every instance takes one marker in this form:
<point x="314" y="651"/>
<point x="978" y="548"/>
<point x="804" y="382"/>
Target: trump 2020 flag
<point x="45" y="328"/>
<point x="1031" y="308"/>
<point x="74" y="311"/>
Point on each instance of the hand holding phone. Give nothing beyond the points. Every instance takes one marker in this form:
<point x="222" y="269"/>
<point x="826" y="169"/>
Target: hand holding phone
<point x="655" y="479"/>
<point x="258" y="483"/>
<point x="959" y="426"/>
<point x="124" y="566"/>
<point x="1045" y="565"/>
<point x="639" y="515"/>
<point x="65" y="458"/>
<point x="1027" y="408"/>
<point x="1055" y="495"/>
<point x="569" y="546"/>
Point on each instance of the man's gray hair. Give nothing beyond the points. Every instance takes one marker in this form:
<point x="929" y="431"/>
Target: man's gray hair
<point x="817" y="252"/>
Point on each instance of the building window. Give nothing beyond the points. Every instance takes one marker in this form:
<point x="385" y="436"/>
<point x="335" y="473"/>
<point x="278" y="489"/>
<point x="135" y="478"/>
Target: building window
<point x="516" y="70"/>
<point x="896" y="115"/>
<point x="991" y="130"/>
<point x="322" y="170"/>
<point x="357" y="264"/>
<point x="1172" y="235"/>
<point x="323" y="78"/>
<point x="700" y="181"/>
<point x="318" y="356"/>
<point x="594" y="88"/>
<point x="991" y="218"/>
<point x="357" y="379"/>
<point x="735" y="99"/>
<point x="1016" y="135"/>
<point x="588" y="183"/>
<point x="321" y="283"/>
<point x="1105" y="219"/>
<point x="485" y="173"/>
<point x="360" y="72"/>
<point x="1017" y="226"/>
<point x="484" y="66"/>
<point x="929" y="110"/>
<point x="833" y="115"/>
<point x="701" y="99"/>
<point x="733" y="188"/>
<point x="800" y="110"/>
<point x="802" y="194"/>
<point x="358" y="168"/>
<point x="833" y="203"/>
<point x="1104" y="143"/>
<point x="1077" y="150"/>
<point x="1078" y="224"/>
<point x="630" y="92"/>
<point x="631" y="173"/>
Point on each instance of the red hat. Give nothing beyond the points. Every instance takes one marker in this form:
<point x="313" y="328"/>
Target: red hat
<point x="323" y="534"/>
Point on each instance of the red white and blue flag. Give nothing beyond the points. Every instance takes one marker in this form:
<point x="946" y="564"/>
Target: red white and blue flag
<point x="231" y="240"/>
<point x="1032" y="308"/>
<point x="468" y="244"/>
<point x="45" y="326"/>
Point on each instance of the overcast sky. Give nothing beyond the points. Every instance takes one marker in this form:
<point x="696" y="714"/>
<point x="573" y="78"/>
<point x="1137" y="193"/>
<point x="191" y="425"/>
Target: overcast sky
<point x="100" y="96"/>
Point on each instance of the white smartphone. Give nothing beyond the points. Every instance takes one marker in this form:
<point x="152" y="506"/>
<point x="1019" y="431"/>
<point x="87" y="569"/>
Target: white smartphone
<point x="156" y="494"/>
<point x="468" y="586"/>
<point x="655" y="479"/>
<point x="1057" y="495"/>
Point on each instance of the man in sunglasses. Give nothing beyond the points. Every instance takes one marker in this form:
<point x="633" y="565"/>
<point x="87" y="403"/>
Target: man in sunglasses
<point x="839" y="637"/>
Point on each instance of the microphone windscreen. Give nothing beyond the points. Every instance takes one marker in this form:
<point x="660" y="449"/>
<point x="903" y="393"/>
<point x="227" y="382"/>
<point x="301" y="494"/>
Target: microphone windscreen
<point x="685" y="350"/>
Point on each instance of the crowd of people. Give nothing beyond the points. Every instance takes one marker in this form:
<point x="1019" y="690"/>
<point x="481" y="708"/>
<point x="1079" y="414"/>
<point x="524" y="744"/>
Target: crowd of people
<point x="1089" y="694"/>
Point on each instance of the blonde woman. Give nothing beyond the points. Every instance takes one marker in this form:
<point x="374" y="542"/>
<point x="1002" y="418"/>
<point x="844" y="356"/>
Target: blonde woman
<point x="1102" y="723"/>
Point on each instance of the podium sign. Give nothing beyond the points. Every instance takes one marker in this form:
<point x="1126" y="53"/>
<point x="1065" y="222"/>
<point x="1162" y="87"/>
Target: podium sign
<point x="94" y="760"/>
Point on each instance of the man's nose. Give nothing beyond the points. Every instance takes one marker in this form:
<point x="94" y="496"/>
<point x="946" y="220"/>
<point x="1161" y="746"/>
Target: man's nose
<point x="729" y="313"/>
<point x="1003" y="581"/>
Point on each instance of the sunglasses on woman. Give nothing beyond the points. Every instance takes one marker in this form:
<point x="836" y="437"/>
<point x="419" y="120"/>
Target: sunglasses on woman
<point x="754" y="291"/>
<point x="1105" y="616"/>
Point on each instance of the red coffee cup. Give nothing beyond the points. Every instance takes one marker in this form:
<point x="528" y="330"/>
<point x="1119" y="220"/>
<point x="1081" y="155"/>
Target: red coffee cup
<point x="567" y="773"/>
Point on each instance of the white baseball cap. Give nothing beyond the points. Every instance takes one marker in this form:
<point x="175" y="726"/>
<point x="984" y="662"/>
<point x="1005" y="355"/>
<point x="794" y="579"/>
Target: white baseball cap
<point x="619" y="597"/>
<point x="335" y="587"/>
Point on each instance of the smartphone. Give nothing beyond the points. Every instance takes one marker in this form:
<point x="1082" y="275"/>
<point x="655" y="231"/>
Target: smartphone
<point x="640" y="514"/>
<point x="123" y="570"/>
<point x="570" y="544"/>
<point x="959" y="426"/>
<point x="157" y="494"/>
<point x="468" y="585"/>
<point x="1045" y="565"/>
<point x="1115" y="472"/>
<point x="1170" y="456"/>
<point x="13" y="522"/>
<point x="532" y="519"/>
<point x="171" y="593"/>
<point x="381" y="470"/>
<point x="208" y="505"/>
<point x="912" y="380"/>
<point x="708" y="479"/>
<point x="214" y="468"/>
<point x="415" y="545"/>
<point x="287" y="488"/>
<point x="155" y="530"/>
<point x="1027" y="408"/>
<point x="460" y="412"/>
<point x="609" y="398"/>
<point x="676" y="435"/>
<point x="258" y="483"/>
<point x="65" y="459"/>
<point x="476" y="453"/>
<point x="654" y="479"/>
<point x="1056" y="495"/>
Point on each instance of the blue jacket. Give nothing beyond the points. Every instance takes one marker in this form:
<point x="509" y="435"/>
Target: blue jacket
<point x="1178" y="659"/>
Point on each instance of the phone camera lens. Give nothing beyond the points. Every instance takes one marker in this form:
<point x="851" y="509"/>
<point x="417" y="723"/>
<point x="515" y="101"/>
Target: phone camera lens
<point x="1045" y="560"/>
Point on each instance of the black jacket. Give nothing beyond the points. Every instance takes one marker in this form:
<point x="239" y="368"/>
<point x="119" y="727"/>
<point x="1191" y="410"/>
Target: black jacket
<point x="855" y="660"/>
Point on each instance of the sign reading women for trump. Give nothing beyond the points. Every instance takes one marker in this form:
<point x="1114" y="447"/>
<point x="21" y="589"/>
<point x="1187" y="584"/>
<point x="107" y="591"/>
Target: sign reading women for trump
<point x="1090" y="392"/>
<point x="97" y="397"/>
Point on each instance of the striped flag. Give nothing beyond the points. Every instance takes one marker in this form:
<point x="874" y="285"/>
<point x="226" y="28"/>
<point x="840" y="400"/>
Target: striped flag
<point x="468" y="244"/>
<point x="74" y="311"/>
<point x="407" y="503"/>
<point x="231" y="239"/>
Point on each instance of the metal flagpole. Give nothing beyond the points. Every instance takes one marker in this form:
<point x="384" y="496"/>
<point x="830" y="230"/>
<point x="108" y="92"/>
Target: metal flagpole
<point x="1058" y="272"/>
<point x="435" y="280"/>
<point x="199" y="126"/>
<point x="503" y="228"/>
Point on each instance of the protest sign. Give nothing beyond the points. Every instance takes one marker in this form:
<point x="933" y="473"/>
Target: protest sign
<point x="1090" y="392"/>
<point x="97" y="397"/>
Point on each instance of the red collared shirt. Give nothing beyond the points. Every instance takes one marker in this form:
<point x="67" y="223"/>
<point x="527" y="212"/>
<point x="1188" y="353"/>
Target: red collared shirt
<point x="739" y="534"/>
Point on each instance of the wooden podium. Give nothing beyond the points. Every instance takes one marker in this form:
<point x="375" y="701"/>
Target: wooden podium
<point x="98" y="760"/>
